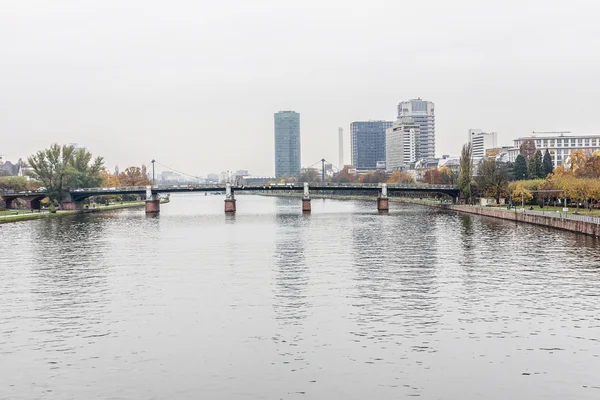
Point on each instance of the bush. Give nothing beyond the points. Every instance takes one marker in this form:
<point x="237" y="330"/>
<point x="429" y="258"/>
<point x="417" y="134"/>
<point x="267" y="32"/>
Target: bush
<point x="52" y="209"/>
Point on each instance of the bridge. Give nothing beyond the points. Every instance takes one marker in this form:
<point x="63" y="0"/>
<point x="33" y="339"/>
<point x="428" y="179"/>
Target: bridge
<point x="74" y="198"/>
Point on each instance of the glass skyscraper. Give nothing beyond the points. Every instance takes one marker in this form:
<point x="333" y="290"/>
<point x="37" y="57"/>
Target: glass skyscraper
<point x="368" y="143"/>
<point x="287" y="144"/>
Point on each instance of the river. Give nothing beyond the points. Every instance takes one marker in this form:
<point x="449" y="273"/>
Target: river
<point x="343" y="303"/>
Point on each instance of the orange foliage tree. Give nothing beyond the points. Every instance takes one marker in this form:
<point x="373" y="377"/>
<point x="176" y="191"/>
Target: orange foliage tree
<point x="133" y="176"/>
<point x="432" y="176"/>
<point x="401" y="177"/>
<point x="109" y="179"/>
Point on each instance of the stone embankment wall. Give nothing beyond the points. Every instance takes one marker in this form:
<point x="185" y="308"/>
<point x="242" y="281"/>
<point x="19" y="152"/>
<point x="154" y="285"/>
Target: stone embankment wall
<point x="588" y="228"/>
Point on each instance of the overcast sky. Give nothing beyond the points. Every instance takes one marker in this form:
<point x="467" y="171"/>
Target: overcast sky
<point x="194" y="84"/>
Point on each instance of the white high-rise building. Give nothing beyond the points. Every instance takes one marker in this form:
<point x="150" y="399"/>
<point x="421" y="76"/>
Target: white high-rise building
<point x="341" y="149"/>
<point x="401" y="143"/>
<point x="423" y="114"/>
<point x="481" y="141"/>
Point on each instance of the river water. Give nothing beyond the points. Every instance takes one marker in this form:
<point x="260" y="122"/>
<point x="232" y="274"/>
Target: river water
<point x="272" y="304"/>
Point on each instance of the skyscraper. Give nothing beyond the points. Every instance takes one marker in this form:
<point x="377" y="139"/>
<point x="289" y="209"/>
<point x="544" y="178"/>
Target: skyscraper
<point x="368" y="143"/>
<point x="422" y="113"/>
<point x="287" y="144"/>
<point x="400" y="144"/>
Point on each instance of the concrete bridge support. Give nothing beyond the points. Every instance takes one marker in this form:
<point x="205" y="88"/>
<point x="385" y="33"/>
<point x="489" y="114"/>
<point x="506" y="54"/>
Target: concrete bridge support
<point x="306" y="199"/>
<point x="229" y="200"/>
<point x="152" y="202"/>
<point x="382" y="200"/>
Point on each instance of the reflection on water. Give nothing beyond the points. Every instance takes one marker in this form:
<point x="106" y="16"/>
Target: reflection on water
<point x="271" y="303"/>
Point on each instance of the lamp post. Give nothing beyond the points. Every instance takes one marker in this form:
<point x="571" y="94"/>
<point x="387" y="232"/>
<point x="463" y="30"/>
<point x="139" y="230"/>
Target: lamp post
<point x="153" y="172"/>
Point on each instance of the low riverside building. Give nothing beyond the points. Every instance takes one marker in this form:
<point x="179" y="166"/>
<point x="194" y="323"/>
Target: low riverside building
<point x="559" y="144"/>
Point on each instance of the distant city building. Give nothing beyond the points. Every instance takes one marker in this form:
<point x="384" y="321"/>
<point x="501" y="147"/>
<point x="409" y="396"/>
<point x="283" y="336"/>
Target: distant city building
<point x="212" y="178"/>
<point x="341" y="147"/>
<point x="481" y="141"/>
<point x="423" y="113"/>
<point x="259" y="180"/>
<point x="559" y="144"/>
<point x="400" y="144"/>
<point x="287" y="144"/>
<point x="368" y="143"/>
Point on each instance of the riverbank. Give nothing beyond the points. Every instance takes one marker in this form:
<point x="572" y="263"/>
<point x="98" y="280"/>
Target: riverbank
<point x="574" y="223"/>
<point x="24" y="215"/>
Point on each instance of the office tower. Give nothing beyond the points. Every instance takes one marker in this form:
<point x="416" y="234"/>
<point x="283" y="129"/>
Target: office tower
<point x="480" y="142"/>
<point x="287" y="144"/>
<point x="423" y="114"/>
<point x="368" y="143"/>
<point x="400" y="144"/>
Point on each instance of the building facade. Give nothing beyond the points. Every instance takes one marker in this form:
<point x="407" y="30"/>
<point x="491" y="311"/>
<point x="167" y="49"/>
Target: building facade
<point x="400" y="144"/>
<point x="287" y="144"/>
<point x="368" y="143"/>
<point x="423" y="113"/>
<point x="559" y="144"/>
<point x="481" y="141"/>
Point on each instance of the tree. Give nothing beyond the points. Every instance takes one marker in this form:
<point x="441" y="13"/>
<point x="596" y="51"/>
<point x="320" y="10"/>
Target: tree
<point x="521" y="194"/>
<point x="16" y="183"/>
<point x="109" y="179"/>
<point x="133" y="176"/>
<point x="520" y="169"/>
<point x="535" y="166"/>
<point x="547" y="164"/>
<point x="344" y="175"/>
<point x="310" y="175"/>
<point x="527" y="149"/>
<point x="59" y="168"/>
<point x="401" y="177"/>
<point x="83" y="172"/>
<point x="465" y="176"/>
<point x="373" y="177"/>
<point x="432" y="176"/>
<point x="447" y="176"/>
<point x="493" y="178"/>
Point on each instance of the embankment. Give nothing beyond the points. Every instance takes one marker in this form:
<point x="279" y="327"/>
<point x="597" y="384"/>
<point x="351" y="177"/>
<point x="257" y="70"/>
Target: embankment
<point x="558" y="222"/>
<point x="27" y="216"/>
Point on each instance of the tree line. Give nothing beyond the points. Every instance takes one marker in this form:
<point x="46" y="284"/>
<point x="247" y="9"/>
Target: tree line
<point x="532" y="171"/>
<point x="60" y="169"/>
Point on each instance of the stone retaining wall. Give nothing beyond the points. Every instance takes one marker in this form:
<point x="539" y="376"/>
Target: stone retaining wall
<point x="555" y="222"/>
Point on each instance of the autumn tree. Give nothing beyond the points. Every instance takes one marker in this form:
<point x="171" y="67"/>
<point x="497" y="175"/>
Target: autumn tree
<point x="521" y="194"/>
<point x="493" y="178"/>
<point x="432" y="176"/>
<point x="133" y="176"/>
<point x="527" y="149"/>
<point x="373" y="177"/>
<point x="109" y="179"/>
<point x="447" y="176"/>
<point x="344" y="175"/>
<point x="401" y="177"/>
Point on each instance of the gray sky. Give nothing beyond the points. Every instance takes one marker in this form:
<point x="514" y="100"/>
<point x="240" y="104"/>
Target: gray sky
<point x="195" y="84"/>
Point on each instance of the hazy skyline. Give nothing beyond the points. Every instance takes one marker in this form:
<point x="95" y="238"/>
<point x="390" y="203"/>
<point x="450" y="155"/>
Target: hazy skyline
<point x="195" y="84"/>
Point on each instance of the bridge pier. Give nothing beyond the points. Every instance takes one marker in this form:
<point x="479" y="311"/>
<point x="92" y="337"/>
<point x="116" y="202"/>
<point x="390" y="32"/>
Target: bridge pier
<point x="34" y="203"/>
<point x="306" y="199"/>
<point x="229" y="200"/>
<point x="382" y="200"/>
<point x="152" y="201"/>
